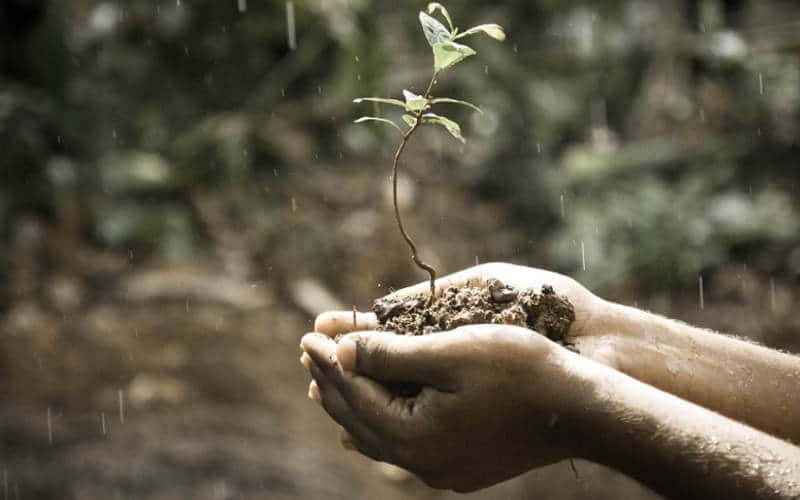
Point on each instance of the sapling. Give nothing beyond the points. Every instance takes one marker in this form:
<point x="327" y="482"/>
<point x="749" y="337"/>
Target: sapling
<point x="446" y="54"/>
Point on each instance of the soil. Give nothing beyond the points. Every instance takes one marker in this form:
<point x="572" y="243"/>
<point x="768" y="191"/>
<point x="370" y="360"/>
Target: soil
<point x="544" y="312"/>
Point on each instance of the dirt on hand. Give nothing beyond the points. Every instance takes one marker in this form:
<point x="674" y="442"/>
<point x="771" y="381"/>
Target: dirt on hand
<point x="495" y="302"/>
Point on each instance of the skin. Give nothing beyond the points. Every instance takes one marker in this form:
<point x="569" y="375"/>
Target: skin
<point x="497" y="401"/>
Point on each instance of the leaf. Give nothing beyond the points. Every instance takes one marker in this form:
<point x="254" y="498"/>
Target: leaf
<point x="376" y="119"/>
<point x="493" y="30"/>
<point x="414" y="102"/>
<point x="393" y="102"/>
<point x="410" y="120"/>
<point x="456" y="101"/>
<point x="447" y="123"/>
<point x="435" y="32"/>
<point x="449" y="54"/>
<point x="434" y="6"/>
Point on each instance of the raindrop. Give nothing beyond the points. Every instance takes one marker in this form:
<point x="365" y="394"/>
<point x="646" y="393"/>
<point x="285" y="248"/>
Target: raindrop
<point x="702" y="115"/>
<point x="290" y="28"/>
<point x="121" y="406"/>
<point x="486" y="69"/>
<point x="583" y="256"/>
<point x="294" y="204"/>
<point x="103" y="422"/>
<point x="178" y="3"/>
<point x="562" y="205"/>
<point x="539" y="147"/>
<point x="772" y="294"/>
<point x="477" y="261"/>
<point x="49" y="427"/>
<point x="761" y="83"/>
<point x="700" y="289"/>
<point x="242" y="5"/>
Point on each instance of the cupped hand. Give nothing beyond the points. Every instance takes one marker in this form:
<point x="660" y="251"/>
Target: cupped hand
<point x="588" y="307"/>
<point x="492" y="404"/>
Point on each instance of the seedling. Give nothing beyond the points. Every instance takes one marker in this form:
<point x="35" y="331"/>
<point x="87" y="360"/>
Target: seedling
<point x="417" y="108"/>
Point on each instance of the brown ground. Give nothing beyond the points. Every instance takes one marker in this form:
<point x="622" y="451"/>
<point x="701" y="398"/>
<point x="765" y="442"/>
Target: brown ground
<point x="178" y="383"/>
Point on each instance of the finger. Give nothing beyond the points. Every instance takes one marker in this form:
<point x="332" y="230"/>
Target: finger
<point x="333" y="323"/>
<point x="322" y="351"/>
<point x="305" y="360"/>
<point x="368" y="401"/>
<point x="426" y="360"/>
<point x="341" y="411"/>
<point x="313" y="392"/>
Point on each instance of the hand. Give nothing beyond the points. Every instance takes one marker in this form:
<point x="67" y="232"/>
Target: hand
<point x="585" y="333"/>
<point x="492" y="404"/>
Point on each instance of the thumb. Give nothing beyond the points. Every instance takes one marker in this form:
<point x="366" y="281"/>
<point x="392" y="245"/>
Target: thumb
<point x="387" y="357"/>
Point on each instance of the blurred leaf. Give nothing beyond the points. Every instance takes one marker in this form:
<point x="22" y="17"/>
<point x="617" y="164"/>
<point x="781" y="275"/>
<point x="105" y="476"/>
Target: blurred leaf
<point x="434" y="6"/>
<point x="493" y="30"/>
<point x="376" y="119"/>
<point x="435" y="32"/>
<point x="414" y="102"/>
<point x="451" y="126"/>
<point x="455" y="101"/>
<point x="382" y="100"/>
<point x="136" y="171"/>
<point x="449" y="54"/>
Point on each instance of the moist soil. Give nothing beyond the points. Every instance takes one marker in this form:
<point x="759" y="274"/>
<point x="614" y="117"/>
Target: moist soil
<point x="495" y="302"/>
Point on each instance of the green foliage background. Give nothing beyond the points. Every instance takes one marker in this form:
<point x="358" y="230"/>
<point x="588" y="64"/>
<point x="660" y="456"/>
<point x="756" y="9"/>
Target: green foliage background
<point x="668" y="130"/>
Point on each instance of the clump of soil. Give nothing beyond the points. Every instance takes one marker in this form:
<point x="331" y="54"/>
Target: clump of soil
<point x="495" y="302"/>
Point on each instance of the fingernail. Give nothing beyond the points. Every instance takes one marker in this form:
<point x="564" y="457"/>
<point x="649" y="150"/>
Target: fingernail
<point x="305" y="360"/>
<point x="346" y="352"/>
<point x="313" y="391"/>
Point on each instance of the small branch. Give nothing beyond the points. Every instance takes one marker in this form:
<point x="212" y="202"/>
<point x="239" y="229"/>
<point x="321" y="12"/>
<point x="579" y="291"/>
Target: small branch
<point x="422" y="265"/>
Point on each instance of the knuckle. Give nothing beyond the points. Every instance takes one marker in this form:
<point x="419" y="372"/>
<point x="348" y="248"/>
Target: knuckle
<point x="376" y="353"/>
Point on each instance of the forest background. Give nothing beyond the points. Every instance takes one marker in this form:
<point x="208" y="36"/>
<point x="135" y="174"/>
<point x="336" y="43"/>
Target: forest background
<point x="182" y="189"/>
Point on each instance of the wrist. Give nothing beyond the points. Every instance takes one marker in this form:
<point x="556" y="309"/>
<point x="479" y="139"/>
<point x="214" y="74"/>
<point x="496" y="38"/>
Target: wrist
<point x="576" y="403"/>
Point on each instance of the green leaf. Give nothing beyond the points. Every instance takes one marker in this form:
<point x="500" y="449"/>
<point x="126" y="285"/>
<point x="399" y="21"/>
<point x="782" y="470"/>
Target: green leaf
<point x="493" y="30"/>
<point x="410" y="120"/>
<point x="456" y="101"/>
<point x="414" y="102"/>
<point x="447" y="123"/>
<point x="393" y="102"/>
<point x="435" y="32"/>
<point x="376" y="119"/>
<point x="448" y="54"/>
<point x="434" y="6"/>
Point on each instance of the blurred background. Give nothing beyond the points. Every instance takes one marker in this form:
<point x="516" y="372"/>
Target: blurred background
<point x="182" y="189"/>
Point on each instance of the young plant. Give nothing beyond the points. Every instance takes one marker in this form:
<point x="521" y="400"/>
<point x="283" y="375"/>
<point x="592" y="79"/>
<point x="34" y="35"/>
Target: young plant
<point x="446" y="54"/>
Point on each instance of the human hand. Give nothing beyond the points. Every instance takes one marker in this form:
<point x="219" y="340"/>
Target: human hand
<point x="493" y="404"/>
<point x="585" y="333"/>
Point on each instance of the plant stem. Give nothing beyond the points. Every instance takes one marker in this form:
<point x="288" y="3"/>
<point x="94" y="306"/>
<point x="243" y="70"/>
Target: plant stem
<point x="422" y="265"/>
